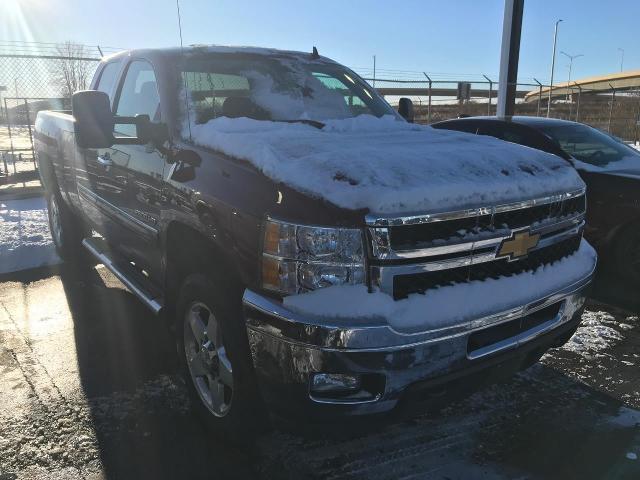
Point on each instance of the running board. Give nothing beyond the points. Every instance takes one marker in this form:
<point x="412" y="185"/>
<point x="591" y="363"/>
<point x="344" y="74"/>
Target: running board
<point x="125" y="273"/>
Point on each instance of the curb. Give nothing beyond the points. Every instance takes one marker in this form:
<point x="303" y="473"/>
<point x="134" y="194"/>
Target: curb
<point x="21" y="193"/>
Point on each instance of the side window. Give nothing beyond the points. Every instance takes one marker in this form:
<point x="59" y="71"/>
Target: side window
<point x="138" y="96"/>
<point x="108" y="78"/>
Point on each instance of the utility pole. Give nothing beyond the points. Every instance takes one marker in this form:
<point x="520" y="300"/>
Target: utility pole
<point x="571" y="59"/>
<point x="621" y="58"/>
<point x="509" y="57"/>
<point x="553" y="65"/>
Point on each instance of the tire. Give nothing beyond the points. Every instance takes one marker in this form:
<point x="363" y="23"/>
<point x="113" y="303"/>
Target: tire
<point x="67" y="230"/>
<point x="626" y="253"/>
<point x="215" y="361"/>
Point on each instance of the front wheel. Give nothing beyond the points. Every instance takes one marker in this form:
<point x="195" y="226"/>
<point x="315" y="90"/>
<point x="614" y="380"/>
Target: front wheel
<point x="216" y="363"/>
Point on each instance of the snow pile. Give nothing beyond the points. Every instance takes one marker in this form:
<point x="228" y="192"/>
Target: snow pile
<point x="25" y="241"/>
<point x="445" y="306"/>
<point x="389" y="166"/>
<point x="596" y="333"/>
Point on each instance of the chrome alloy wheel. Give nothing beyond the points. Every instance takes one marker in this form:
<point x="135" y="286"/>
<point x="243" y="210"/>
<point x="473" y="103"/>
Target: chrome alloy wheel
<point x="56" y="221"/>
<point x="207" y="359"/>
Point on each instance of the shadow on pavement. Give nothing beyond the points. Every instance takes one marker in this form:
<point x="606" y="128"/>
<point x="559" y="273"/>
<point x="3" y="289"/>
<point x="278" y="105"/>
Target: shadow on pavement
<point x="541" y="424"/>
<point x="127" y="368"/>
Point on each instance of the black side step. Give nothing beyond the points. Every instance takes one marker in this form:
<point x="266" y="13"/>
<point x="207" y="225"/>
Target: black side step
<point x="129" y="276"/>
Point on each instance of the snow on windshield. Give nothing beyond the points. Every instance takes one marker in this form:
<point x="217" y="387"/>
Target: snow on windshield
<point x="277" y="88"/>
<point x="312" y="101"/>
<point x="389" y="166"/>
<point x="630" y="162"/>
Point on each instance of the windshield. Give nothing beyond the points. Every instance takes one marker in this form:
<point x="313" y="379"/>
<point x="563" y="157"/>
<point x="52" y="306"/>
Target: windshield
<point x="278" y="88"/>
<point x="592" y="146"/>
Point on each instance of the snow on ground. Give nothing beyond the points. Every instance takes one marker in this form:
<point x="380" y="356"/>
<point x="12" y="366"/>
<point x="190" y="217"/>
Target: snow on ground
<point x="598" y="331"/>
<point x="389" y="166"/>
<point x="443" y="307"/>
<point x="25" y="241"/>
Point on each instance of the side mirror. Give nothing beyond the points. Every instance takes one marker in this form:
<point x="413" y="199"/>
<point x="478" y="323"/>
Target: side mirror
<point x="94" y="120"/>
<point x="405" y="109"/>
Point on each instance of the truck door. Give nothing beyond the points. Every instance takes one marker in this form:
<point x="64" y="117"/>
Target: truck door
<point x="132" y="174"/>
<point x="90" y="171"/>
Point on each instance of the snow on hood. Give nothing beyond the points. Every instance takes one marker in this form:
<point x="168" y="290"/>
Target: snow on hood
<point x="389" y="166"/>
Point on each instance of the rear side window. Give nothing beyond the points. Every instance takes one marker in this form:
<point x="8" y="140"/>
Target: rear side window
<point x="108" y="78"/>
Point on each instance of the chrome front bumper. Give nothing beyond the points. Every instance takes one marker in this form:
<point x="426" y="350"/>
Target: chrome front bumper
<point x="287" y="348"/>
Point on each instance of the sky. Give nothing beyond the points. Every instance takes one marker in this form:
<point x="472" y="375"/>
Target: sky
<point x="456" y="38"/>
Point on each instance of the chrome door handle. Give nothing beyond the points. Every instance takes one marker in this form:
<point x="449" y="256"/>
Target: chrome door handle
<point x="105" y="161"/>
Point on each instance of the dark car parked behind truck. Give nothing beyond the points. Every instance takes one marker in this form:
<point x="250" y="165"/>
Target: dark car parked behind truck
<point x="311" y="250"/>
<point x="610" y="168"/>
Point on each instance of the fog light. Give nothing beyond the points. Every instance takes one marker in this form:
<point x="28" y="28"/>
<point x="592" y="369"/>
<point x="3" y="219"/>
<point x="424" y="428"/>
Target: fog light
<point x="334" y="383"/>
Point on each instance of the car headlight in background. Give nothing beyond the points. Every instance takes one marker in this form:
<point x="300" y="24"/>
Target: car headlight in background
<point x="299" y="258"/>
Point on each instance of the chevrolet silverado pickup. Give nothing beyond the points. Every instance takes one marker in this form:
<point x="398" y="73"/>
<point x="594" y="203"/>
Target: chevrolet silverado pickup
<point x="313" y="250"/>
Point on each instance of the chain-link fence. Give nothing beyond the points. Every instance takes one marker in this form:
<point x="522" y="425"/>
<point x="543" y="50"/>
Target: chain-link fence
<point x="33" y="77"/>
<point x="613" y="111"/>
<point x="37" y="76"/>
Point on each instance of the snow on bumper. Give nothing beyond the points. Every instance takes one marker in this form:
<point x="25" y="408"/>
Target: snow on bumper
<point x="515" y="317"/>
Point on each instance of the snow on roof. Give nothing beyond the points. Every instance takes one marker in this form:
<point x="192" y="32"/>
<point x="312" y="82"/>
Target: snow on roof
<point x="221" y="49"/>
<point x="389" y="166"/>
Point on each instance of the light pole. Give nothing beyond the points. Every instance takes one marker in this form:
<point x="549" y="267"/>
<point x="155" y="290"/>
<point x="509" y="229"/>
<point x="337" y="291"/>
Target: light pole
<point x="374" y="71"/>
<point x="553" y="65"/>
<point x="621" y="58"/>
<point x="571" y="58"/>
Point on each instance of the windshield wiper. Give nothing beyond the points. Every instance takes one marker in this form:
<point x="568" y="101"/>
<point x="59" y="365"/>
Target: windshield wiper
<point x="313" y="123"/>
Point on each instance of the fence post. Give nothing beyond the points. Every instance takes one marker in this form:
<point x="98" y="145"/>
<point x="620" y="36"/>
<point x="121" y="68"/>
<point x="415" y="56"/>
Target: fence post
<point x="490" y="93"/>
<point x="635" y="140"/>
<point x="33" y="151"/>
<point x="539" y="96"/>
<point x="578" y="105"/>
<point x="6" y="109"/>
<point x="613" y="99"/>
<point x="429" y="104"/>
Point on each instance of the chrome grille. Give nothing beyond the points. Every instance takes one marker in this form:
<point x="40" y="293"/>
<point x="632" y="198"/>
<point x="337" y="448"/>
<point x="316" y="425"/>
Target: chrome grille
<point x="440" y="232"/>
<point x="413" y="254"/>
<point x="404" y="285"/>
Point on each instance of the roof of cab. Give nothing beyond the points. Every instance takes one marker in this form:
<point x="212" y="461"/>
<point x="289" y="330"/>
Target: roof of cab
<point x="221" y="49"/>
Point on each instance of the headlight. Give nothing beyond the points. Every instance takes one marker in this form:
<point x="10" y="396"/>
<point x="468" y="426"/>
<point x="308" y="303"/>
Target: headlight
<point x="298" y="258"/>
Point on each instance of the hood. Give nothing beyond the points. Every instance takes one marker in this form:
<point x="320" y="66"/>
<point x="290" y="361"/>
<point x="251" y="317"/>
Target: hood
<point x="389" y="166"/>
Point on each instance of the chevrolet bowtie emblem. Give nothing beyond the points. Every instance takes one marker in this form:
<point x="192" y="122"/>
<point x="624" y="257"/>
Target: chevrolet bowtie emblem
<point x="518" y="245"/>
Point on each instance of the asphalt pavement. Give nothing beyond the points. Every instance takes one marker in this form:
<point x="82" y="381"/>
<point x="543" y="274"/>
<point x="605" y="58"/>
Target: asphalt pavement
<point x="89" y="389"/>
